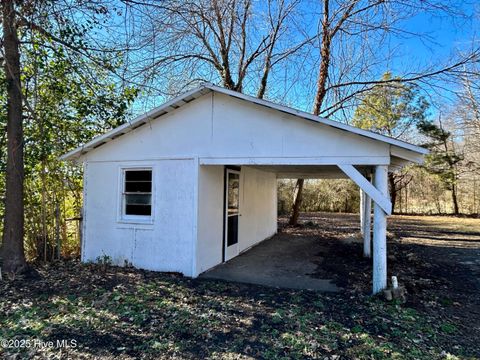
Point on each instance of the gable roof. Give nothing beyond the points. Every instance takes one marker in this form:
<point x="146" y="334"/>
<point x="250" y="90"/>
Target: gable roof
<point x="206" y="88"/>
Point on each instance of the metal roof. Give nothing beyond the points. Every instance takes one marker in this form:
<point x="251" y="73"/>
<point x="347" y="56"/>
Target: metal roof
<point x="206" y="88"/>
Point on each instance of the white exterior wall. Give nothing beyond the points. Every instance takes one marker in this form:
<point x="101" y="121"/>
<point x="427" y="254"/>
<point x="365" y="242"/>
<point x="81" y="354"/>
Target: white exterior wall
<point x="258" y="209"/>
<point x="219" y="126"/>
<point x="167" y="243"/>
<point x="210" y="217"/>
<point x="214" y="126"/>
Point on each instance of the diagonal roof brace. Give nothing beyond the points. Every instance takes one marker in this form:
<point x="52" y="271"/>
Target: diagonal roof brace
<point x="382" y="201"/>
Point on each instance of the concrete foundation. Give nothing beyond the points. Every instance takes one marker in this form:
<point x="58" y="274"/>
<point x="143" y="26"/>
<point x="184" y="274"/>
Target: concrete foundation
<point x="282" y="261"/>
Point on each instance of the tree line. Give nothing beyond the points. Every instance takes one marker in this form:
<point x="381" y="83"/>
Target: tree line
<point x="74" y="69"/>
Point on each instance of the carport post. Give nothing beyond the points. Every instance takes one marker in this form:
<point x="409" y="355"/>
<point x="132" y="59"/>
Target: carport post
<point x="380" y="181"/>
<point x="362" y="211"/>
<point x="367" y="222"/>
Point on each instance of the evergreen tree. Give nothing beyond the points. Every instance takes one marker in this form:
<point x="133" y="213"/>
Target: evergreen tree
<point x="443" y="160"/>
<point x="393" y="109"/>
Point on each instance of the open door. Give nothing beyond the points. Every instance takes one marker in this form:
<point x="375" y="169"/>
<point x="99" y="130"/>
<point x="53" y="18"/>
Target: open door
<point x="232" y="212"/>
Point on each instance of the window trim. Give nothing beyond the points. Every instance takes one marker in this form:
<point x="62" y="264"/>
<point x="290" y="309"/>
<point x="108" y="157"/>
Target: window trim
<point x="134" y="219"/>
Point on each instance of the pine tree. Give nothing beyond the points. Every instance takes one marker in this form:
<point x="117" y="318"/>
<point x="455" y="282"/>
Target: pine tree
<point x="443" y="159"/>
<point x="393" y="109"/>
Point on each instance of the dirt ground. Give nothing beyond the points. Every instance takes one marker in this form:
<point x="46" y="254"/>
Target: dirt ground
<point x="124" y="313"/>
<point x="436" y="258"/>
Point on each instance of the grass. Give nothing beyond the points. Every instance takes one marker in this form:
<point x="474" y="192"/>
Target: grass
<point x="134" y="314"/>
<point x="103" y="312"/>
<point x="445" y="223"/>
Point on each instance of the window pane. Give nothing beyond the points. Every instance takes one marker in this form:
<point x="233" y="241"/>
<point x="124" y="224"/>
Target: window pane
<point x="134" y="199"/>
<point x="138" y="175"/>
<point x="233" y="192"/>
<point x="138" y="210"/>
<point x="232" y="235"/>
<point x="138" y="186"/>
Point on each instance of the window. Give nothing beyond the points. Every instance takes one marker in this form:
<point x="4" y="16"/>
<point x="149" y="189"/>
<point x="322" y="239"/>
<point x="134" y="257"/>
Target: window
<point x="233" y="192"/>
<point x="137" y="192"/>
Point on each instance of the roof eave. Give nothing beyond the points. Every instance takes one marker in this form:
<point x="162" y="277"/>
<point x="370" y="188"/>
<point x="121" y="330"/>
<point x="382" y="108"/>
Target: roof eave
<point x="141" y="120"/>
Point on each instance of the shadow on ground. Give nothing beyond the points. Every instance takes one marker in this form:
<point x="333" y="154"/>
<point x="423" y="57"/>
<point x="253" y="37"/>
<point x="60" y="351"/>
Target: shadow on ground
<point x="123" y="313"/>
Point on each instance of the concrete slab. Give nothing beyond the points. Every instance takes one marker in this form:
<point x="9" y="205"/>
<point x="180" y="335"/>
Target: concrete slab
<point x="284" y="261"/>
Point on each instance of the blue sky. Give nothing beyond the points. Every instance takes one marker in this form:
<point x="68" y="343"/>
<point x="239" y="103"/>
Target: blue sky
<point x="443" y="38"/>
<point x="446" y="35"/>
<point x="446" y="38"/>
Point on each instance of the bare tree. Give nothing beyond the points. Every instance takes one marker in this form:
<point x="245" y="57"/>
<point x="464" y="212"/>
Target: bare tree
<point x="468" y="109"/>
<point x="223" y="41"/>
<point x="352" y="34"/>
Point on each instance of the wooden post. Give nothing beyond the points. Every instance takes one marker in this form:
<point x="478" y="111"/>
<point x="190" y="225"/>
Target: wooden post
<point x="362" y="212"/>
<point x="380" y="232"/>
<point x="367" y="221"/>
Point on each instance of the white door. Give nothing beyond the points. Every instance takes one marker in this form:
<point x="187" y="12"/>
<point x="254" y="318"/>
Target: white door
<point x="232" y="212"/>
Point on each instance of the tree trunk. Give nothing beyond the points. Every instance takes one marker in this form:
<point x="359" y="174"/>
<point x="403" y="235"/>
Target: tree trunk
<point x="456" y="210"/>
<point x="320" y="95"/>
<point x="297" y="203"/>
<point x="324" y="60"/>
<point x="393" y="190"/>
<point x="263" y="81"/>
<point x="12" y="247"/>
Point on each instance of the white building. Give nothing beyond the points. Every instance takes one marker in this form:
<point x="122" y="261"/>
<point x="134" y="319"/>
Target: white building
<point x="192" y="183"/>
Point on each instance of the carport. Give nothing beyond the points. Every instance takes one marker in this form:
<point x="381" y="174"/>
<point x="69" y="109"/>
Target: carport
<point x="282" y="261"/>
<point x="277" y="262"/>
<point x="314" y="149"/>
<point x="192" y="183"/>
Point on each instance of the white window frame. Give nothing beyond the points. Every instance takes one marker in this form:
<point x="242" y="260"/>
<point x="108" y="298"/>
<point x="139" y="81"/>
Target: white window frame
<point x="134" y="219"/>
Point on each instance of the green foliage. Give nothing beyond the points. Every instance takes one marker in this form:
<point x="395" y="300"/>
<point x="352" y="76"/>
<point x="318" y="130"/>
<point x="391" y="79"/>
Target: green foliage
<point x="443" y="159"/>
<point x="448" y="328"/>
<point x="67" y="101"/>
<point x="104" y="260"/>
<point x="391" y="108"/>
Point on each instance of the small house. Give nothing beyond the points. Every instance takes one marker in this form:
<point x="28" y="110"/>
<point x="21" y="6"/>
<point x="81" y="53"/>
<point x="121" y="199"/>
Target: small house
<point x="193" y="183"/>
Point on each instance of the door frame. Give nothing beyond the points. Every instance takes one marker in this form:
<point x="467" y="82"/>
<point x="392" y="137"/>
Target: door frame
<point x="227" y="169"/>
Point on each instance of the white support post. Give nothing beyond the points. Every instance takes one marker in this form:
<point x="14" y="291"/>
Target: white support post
<point x="380" y="232"/>
<point x="362" y="211"/>
<point x="367" y="224"/>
